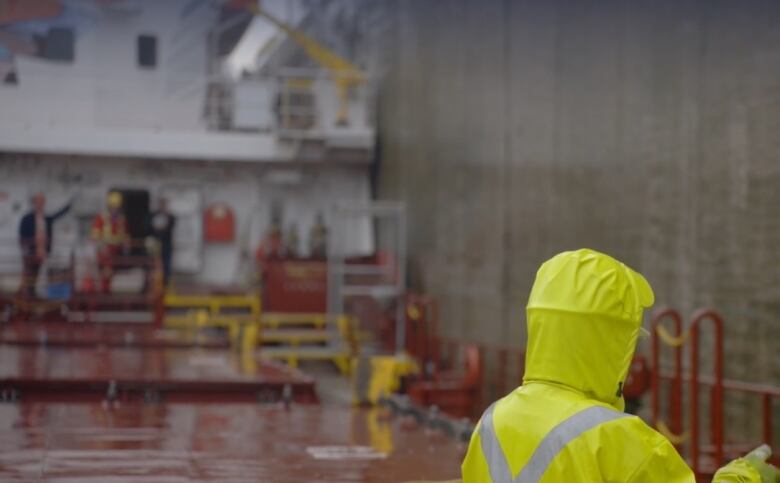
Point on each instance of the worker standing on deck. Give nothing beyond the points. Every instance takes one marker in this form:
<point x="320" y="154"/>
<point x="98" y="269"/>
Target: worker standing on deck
<point x="272" y="244"/>
<point x="161" y="225"/>
<point x="566" y="422"/>
<point x="35" y="240"/>
<point x="318" y="238"/>
<point x="291" y="242"/>
<point x="109" y="230"/>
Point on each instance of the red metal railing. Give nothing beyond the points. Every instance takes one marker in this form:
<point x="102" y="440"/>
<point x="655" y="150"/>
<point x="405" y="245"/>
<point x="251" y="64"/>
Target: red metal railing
<point x="80" y="278"/>
<point x="716" y="451"/>
<point x="490" y="375"/>
<point x="502" y="368"/>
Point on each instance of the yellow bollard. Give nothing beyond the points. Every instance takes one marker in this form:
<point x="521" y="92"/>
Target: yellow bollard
<point x="249" y="341"/>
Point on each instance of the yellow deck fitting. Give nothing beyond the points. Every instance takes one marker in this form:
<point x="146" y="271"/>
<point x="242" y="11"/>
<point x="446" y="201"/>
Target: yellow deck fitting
<point x="215" y="305"/>
<point x="274" y="320"/>
<point x="293" y="338"/>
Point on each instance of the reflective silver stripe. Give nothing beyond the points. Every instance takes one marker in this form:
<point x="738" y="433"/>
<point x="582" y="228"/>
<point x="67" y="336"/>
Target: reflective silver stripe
<point x="562" y="435"/>
<point x="548" y="449"/>
<point x="491" y="448"/>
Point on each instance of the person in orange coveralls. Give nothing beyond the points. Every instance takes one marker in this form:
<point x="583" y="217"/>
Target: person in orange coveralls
<point x="109" y="230"/>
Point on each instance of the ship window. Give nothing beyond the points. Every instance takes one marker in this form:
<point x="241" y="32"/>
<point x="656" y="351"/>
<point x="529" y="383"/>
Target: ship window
<point x="147" y="51"/>
<point x="58" y="44"/>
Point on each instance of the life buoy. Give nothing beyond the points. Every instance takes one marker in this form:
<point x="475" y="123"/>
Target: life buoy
<point x="219" y="223"/>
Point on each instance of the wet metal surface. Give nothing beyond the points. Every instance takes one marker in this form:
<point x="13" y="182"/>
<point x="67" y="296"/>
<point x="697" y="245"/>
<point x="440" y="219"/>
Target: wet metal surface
<point x="169" y="374"/>
<point x="114" y="335"/>
<point x="213" y="442"/>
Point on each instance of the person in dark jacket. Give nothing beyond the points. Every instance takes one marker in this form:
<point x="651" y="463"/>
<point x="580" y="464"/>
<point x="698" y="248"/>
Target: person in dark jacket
<point x="161" y="225"/>
<point x="35" y="240"/>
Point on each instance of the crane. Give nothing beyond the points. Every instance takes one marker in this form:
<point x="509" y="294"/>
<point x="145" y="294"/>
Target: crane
<point x="344" y="73"/>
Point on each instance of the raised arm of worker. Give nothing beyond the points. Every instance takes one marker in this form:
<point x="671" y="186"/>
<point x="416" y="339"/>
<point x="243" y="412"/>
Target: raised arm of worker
<point x="566" y="422"/>
<point x="62" y="211"/>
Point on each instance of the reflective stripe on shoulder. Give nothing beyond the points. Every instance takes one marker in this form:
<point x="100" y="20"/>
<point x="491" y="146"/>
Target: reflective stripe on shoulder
<point x="548" y="449"/>
<point x="491" y="448"/>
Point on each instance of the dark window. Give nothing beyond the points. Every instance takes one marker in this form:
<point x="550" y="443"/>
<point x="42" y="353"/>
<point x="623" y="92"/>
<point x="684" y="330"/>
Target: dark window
<point x="58" y="44"/>
<point x="147" y="51"/>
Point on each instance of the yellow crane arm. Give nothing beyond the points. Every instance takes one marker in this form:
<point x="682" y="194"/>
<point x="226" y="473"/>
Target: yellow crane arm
<point x="341" y="69"/>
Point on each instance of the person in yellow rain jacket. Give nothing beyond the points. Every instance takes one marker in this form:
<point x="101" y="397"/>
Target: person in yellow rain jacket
<point x="109" y="229"/>
<point x="566" y="422"/>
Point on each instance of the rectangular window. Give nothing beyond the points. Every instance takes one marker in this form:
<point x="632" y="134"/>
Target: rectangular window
<point x="147" y="51"/>
<point x="58" y="44"/>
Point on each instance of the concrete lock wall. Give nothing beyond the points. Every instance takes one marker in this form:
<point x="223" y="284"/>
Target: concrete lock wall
<point x="648" y="130"/>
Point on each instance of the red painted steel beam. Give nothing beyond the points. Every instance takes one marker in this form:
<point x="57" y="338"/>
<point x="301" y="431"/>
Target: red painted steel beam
<point x="766" y="411"/>
<point x="84" y="334"/>
<point x="181" y="374"/>
<point x="126" y="391"/>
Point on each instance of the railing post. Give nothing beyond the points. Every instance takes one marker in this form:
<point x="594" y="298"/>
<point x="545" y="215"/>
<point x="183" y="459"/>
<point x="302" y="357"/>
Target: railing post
<point x="520" y="367"/>
<point x="655" y="374"/>
<point x="766" y="409"/>
<point x="717" y="393"/>
<point x="675" y="393"/>
<point x="432" y="330"/>
<point x="418" y="336"/>
<point x="452" y="354"/>
<point x="694" y="415"/>
<point x="480" y="397"/>
<point x="502" y="361"/>
<point x="716" y="410"/>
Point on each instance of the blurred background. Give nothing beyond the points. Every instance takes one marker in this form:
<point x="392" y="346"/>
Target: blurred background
<point x="342" y="183"/>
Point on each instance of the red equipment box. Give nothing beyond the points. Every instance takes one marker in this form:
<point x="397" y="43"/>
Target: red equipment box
<point x="297" y="286"/>
<point x="219" y="223"/>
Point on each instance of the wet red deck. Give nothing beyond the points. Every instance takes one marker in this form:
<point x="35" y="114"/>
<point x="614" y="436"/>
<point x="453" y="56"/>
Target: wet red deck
<point x="168" y="374"/>
<point x="212" y="442"/>
<point x="114" y="335"/>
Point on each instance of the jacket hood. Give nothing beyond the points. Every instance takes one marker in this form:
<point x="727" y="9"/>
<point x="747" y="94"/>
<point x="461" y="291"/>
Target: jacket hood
<point x="584" y="316"/>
